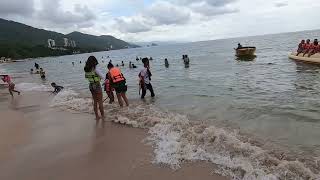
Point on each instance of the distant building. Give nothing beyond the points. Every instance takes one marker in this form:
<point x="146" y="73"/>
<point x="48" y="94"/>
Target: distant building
<point x="66" y="42"/>
<point x="73" y="43"/>
<point x="51" y="43"/>
<point x="69" y="43"/>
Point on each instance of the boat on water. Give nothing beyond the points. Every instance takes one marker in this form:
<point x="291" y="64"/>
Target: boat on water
<point x="246" y="52"/>
<point x="312" y="59"/>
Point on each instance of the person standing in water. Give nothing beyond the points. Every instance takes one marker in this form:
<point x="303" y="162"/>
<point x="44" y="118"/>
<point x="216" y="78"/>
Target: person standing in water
<point x="166" y="62"/>
<point x="94" y="77"/>
<point x="11" y="85"/>
<point x="145" y="78"/>
<point x="118" y="82"/>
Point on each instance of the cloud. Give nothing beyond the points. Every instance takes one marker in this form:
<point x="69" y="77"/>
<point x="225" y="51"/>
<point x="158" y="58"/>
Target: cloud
<point x="209" y="10"/>
<point x="158" y="14"/>
<point x="16" y="7"/>
<point x="80" y="17"/>
<point x="281" y="4"/>
<point x="165" y="13"/>
<point x="134" y="24"/>
<point x="215" y="3"/>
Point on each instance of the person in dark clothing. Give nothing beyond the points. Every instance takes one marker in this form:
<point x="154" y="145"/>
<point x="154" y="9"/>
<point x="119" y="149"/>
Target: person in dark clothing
<point x="57" y="88"/>
<point x="36" y="65"/>
<point x="145" y="78"/>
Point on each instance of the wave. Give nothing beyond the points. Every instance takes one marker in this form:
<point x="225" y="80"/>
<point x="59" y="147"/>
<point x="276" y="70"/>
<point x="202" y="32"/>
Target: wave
<point x="33" y="87"/>
<point x="176" y="139"/>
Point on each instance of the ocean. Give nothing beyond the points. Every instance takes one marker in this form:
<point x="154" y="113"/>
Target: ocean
<point x="255" y="119"/>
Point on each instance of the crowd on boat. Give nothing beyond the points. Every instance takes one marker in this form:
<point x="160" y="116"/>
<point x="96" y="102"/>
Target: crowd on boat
<point x="305" y="47"/>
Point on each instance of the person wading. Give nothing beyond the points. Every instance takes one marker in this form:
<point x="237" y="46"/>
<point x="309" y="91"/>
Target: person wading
<point x="118" y="82"/>
<point x="145" y="78"/>
<point x="94" y="77"/>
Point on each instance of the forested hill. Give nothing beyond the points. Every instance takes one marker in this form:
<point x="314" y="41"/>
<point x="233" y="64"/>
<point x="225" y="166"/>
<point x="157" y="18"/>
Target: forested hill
<point x="18" y="40"/>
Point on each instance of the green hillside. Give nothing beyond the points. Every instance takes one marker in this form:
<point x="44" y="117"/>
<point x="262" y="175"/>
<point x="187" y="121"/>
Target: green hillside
<point x="22" y="41"/>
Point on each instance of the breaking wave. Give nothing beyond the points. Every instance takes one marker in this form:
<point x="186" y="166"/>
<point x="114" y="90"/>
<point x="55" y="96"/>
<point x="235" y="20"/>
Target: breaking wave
<point x="176" y="139"/>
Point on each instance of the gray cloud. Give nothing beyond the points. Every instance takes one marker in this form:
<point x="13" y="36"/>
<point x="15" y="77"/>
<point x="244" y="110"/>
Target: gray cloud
<point x="281" y="4"/>
<point x="165" y="13"/>
<point x="158" y="14"/>
<point x="215" y="3"/>
<point x="209" y="7"/>
<point x="51" y="12"/>
<point x="135" y="24"/>
<point x="16" y="7"/>
<point x="209" y="10"/>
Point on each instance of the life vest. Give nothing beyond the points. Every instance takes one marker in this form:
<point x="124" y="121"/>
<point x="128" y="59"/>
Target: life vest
<point x="92" y="77"/>
<point x="307" y="46"/>
<point x="116" y="75"/>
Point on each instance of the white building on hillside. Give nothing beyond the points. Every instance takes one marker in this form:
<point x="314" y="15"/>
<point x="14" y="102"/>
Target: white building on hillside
<point x="66" y="42"/>
<point x="51" y="43"/>
<point x="73" y="43"/>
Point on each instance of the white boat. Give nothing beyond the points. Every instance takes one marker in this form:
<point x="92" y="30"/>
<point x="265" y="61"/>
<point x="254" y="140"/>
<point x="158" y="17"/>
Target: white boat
<point x="312" y="59"/>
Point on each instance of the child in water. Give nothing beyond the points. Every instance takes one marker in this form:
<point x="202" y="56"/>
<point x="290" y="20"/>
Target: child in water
<point x="109" y="90"/>
<point x="11" y="85"/>
<point x="57" y="88"/>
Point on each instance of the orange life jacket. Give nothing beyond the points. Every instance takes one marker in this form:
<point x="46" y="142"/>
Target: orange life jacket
<point x="116" y="75"/>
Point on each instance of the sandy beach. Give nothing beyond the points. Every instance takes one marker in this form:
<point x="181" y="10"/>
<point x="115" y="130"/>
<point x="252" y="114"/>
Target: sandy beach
<point x="39" y="142"/>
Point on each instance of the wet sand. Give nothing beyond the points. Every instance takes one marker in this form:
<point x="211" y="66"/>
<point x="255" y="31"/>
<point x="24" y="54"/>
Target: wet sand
<point x="39" y="142"/>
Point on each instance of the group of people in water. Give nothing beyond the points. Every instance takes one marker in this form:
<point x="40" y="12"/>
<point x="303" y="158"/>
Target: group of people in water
<point x="114" y="80"/>
<point x="39" y="71"/>
<point x="306" y="47"/>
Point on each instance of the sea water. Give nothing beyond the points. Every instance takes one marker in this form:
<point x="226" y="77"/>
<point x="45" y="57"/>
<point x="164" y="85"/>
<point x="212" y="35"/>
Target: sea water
<point x="255" y="119"/>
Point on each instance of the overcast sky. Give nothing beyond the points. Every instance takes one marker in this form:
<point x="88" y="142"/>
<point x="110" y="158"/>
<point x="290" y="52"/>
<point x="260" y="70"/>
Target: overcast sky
<point x="166" y="20"/>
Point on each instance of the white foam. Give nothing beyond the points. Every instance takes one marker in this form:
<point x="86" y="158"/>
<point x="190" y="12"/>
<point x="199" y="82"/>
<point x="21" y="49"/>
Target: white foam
<point x="176" y="139"/>
<point x="33" y="87"/>
<point x="70" y="99"/>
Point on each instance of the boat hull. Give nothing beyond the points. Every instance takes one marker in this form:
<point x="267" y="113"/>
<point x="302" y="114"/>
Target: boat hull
<point x="312" y="59"/>
<point x="245" y="51"/>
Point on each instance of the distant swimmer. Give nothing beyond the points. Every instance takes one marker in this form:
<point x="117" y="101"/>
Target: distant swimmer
<point x="57" y="88"/>
<point x="130" y="65"/>
<point x="137" y="59"/>
<point x="134" y="66"/>
<point x="31" y="71"/>
<point x="73" y="63"/>
<point x="239" y="46"/>
<point x="150" y="58"/>
<point x="166" y="62"/>
<point x="80" y="62"/>
<point x="186" y="60"/>
<point x="118" y="82"/>
<point x="94" y="76"/>
<point x="11" y="85"/>
<point x="117" y="65"/>
<point x="42" y="73"/>
<point x="145" y="79"/>
<point x="122" y="64"/>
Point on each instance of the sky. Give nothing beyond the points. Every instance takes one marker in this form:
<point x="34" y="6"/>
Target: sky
<point x="166" y="20"/>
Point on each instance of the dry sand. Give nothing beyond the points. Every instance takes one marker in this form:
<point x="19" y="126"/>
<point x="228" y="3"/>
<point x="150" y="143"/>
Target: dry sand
<point x="40" y="143"/>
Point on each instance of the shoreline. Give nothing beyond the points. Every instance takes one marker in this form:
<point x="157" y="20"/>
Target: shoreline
<point x="39" y="142"/>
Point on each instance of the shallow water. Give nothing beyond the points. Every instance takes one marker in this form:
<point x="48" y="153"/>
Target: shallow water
<point x="272" y="98"/>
